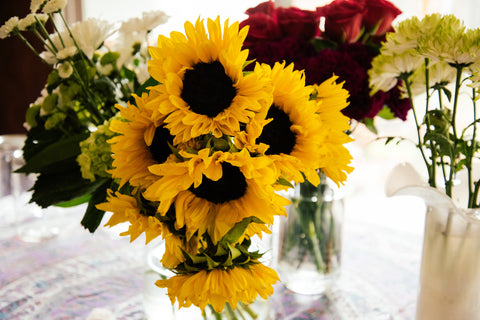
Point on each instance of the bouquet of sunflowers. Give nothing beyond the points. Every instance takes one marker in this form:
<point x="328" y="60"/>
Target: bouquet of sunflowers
<point x="196" y="157"/>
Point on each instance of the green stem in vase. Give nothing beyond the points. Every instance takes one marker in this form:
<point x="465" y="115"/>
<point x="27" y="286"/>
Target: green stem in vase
<point x="308" y="207"/>
<point x="248" y="310"/>
<point x="217" y="315"/>
<point x="230" y="312"/>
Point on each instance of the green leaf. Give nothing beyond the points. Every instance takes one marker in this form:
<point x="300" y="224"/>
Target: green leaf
<point x="369" y="123"/>
<point x="93" y="216"/>
<point x="238" y="230"/>
<point x="234" y="252"/>
<point x="284" y="182"/>
<point x="54" y="153"/>
<point x="65" y="185"/>
<point x="386" y="114"/>
<point x="75" y="202"/>
<point x="109" y="58"/>
<point x="389" y="139"/>
<point x="211" y="263"/>
<point x="448" y="93"/>
<point x="144" y="87"/>
<point x="443" y="145"/>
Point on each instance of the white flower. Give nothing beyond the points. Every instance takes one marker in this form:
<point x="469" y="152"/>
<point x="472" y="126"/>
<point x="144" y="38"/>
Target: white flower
<point x="404" y="38"/>
<point x="439" y="73"/>
<point x="65" y="70"/>
<point x="91" y="33"/>
<point x="48" y="57"/>
<point x="142" y="73"/>
<point x="148" y="22"/>
<point x="8" y="27"/>
<point x="66" y="53"/>
<point x="36" y="4"/>
<point x="386" y="69"/>
<point x="447" y="40"/>
<point x="53" y="6"/>
<point x="31" y="19"/>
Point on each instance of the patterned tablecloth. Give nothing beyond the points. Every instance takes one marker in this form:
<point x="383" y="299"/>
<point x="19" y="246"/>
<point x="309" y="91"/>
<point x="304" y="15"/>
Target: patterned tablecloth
<point x="69" y="275"/>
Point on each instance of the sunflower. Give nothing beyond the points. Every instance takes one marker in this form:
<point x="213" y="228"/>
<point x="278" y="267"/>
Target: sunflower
<point x="125" y="208"/>
<point x="289" y="130"/>
<point x="211" y="193"/>
<point x="142" y="141"/>
<point x="331" y="98"/>
<point x="203" y="89"/>
<point x="220" y="286"/>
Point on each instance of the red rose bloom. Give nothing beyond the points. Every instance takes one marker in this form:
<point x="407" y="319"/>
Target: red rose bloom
<point x="294" y="22"/>
<point x="261" y="27"/>
<point x="379" y="15"/>
<point x="343" y="20"/>
<point x="268" y="22"/>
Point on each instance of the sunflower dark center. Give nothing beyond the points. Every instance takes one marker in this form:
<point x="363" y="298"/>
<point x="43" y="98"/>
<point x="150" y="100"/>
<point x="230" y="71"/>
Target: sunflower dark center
<point x="207" y="89"/>
<point x="277" y="133"/>
<point x="159" y="147"/>
<point x="231" y="186"/>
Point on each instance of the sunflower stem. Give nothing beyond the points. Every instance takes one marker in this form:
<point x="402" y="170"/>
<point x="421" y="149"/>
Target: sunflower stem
<point x="217" y="315"/>
<point x="248" y="309"/>
<point x="231" y="312"/>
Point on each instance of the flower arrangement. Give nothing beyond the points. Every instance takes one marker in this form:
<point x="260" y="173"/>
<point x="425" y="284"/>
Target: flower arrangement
<point x="339" y="39"/>
<point x="193" y="155"/>
<point x="351" y="35"/>
<point x="420" y="56"/>
<point x="68" y="125"/>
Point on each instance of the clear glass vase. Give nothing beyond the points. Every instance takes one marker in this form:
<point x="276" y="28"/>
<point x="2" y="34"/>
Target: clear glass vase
<point x="310" y="238"/>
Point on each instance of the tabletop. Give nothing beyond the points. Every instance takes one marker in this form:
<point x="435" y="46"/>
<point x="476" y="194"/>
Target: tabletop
<point x="75" y="272"/>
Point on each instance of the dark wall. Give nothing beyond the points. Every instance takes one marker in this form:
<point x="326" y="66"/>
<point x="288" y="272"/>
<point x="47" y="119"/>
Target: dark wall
<point x="22" y="74"/>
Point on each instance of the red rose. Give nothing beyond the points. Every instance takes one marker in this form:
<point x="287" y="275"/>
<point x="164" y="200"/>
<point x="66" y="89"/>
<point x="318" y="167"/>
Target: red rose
<point x="379" y="15"/>
<point x="262" y="23"/>
<point x="267" y="8"/>
<point x="343" y="20"/>
<point x="261" y="27"/>
<point x="294" y="22"/>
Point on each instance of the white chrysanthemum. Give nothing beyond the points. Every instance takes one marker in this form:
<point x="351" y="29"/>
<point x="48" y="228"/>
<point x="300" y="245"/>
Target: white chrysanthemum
<point x="31" y="19"/>
<point x="89" y="34"/>
<point x="404" y="38"/>
<point x="8" y="27"/>
<point x="386" y="69"/>
<point x="54" y="6"/>
<point x="65" y="69"/>
<point x="36" y="4"/>
<point x="444" y="38"/>
<point x="439" y="73"/>
<point x="124" y="45"/>
<point x="48" y="57"/>
<point x="66" y="53"/>
<point x="146" y="23"/>
<point x="475" y="78"/>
